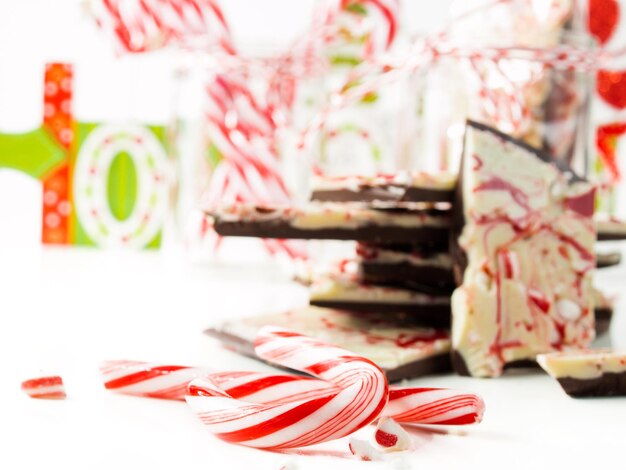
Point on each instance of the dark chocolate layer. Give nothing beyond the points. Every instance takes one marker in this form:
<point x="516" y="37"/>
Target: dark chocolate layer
<point x="603" y="320"/>
<point x="430" y="246"/>
<point x="458" y="363"/>
<point x="431" y="279"/>
<point x="606" y="260"/>
<point x="428" y="366"/>
<point x="607" y="385"/>
<point x="370" y="233"/>
<point x="611" y="236"/>
<point x="391" y="193"/>
<point x="423" y="315"/>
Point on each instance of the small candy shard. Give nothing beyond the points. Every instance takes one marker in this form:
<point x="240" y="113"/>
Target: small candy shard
<point x="49" y="388"/>
<point x="364" y="450"/>
<point x="391" y="436"/>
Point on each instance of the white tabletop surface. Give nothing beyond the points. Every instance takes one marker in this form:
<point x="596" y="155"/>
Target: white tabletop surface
<point x="65" y="311"/>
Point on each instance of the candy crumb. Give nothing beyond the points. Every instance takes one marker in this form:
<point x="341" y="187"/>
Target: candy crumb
<point x="48" y="388"/>
<point x="391" y="436"/>
<point x="364" y="450"/>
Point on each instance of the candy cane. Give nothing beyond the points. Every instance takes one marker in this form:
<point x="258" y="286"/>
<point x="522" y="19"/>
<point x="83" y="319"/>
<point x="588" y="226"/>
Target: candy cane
<point x="144" y="25"/>
<point x="384" y="16"/>
<point x="171" y="381"/>
<point x="372" y="76"/>
<point x="434" y="406"/>
<point x="362" y="395"/>
<point x="254" y="173"/>
<point x="409" y="405"/>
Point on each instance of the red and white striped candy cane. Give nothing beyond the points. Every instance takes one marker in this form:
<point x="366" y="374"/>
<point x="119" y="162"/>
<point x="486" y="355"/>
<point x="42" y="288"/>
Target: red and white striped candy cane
<point x="170" y="382"/>
<point x="241" y="127"/>
<point x="361" y="396"/>
<point x="389" y="11"/>
<point x="408" y="405"/>
<point x="383" y="16"/>
<point x="434" y="406"/>
<point x="144" y="25"/>
<point x="244" y="131"/>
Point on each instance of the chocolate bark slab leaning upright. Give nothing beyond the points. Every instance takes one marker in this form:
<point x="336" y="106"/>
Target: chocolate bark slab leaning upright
<point x="523" y="238"/>
<point x="401" y="350"/>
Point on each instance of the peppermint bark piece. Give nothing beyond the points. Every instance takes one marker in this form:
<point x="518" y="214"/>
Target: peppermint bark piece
<point x="411" y="268"/>
<point x="347" y="293"/>
<point x="524" y="255"/>
<point x="334" y="221"/>
<point x="401" y="350"/>
<point x="589" y="373"/>
<point x="402" y="186"/>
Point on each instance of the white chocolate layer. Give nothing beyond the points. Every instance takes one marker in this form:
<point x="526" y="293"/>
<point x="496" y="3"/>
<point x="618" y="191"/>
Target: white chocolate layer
<point x="586" y="364"/>
<point x="348" y="289"/>
<point x="529" y="239"/>
<point x="444" y="181"/>
<point x="387" y="345"/>
<point x="610" y="225"/>
<point x="318" y="215"/>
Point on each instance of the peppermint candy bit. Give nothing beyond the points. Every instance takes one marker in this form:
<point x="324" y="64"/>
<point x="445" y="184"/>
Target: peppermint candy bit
<point x="49" y="388"/>
<point x="391" y="436"/>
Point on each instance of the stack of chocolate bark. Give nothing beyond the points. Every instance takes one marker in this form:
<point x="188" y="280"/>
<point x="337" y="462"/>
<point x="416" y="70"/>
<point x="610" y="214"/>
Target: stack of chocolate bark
<point x="513" y="239"/>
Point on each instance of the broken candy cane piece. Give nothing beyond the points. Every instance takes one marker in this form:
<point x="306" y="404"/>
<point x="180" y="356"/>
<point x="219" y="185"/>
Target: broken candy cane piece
<point x="364" y="450"/>
<point x="167" y="381"/>
<point x="391" y="436"/>
<point x="50" y="388"/>
<point x="434" y="406"/>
